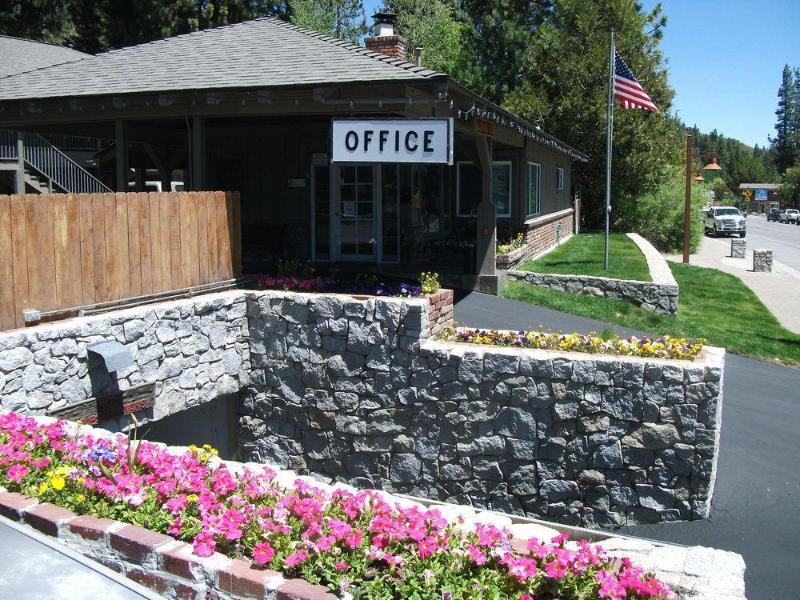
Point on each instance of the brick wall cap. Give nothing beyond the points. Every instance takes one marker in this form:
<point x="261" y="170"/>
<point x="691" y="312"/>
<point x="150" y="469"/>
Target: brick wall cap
<point x="89" y="527"/>
<point x="243" y="578"/>
<point x="47" y="517"/>
<point x="13" y="504"/>
<point x="300" y="589"/>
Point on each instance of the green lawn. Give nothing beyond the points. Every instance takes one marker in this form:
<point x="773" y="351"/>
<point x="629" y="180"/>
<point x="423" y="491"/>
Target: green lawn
<point x="713" y="305"/>
<point x="583" y="255"/>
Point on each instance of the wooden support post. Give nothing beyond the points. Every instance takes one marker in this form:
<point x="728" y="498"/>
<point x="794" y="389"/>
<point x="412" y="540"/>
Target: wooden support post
<point x="121" y="150"/>
<point x="486" y="240"/>
<point x="164" y="173"/>
<point x="198" y="154"/>
<point x="687" y="206"/>
<point x="19" y="188"/>
<point x="139" y="175"/>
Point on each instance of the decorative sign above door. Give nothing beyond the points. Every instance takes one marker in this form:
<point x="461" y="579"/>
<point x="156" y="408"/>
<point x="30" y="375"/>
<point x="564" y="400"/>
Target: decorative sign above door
<point x="392" y="141"/>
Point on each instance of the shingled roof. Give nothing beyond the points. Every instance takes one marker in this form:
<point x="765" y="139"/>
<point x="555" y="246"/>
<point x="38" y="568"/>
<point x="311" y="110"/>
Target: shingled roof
<point x="20" y="55"/>
<point x="265" y="52"/>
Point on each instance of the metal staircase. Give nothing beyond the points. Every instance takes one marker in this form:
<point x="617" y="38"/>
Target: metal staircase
<point x="43" y="167"/>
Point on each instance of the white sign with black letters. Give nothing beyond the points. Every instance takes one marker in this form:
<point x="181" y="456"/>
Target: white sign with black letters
<point x="392" y="141"/>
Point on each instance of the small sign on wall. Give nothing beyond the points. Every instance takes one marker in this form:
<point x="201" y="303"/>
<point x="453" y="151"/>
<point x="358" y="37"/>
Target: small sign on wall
<point x="392" y="141"/>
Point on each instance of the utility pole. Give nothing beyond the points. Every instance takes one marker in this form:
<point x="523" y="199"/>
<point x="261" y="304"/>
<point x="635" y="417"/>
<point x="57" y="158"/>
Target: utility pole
<point x="687" y="206"/>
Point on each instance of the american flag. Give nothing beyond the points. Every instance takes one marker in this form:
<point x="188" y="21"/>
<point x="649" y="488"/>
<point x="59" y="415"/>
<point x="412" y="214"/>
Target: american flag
<point x="627" y="90"/>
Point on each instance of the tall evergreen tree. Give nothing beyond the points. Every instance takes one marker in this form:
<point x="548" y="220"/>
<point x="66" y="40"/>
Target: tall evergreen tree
<point x="565" y="87"/>
<point x="343" y="19"/>
<point x="787" y="125"/>
<point x="42" y="20"/>
<point x="97" y="25"/>
<point x="496" y="37"/>
<point x="432" y="26"/>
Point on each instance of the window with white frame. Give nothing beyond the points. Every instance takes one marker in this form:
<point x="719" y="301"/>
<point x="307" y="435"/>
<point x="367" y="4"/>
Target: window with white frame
<point x="534" y="188"/>
<point x="559" y="179"/>
<point x="468" y="192"/>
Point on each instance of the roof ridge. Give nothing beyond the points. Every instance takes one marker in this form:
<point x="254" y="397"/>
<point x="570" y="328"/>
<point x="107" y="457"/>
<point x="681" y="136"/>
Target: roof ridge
<point x="51" y="44"/>
<point x="384" y="58"/>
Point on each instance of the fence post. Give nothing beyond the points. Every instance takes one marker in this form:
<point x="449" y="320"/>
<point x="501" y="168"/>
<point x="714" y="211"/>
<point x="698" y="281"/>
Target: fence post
<point x="20" y="179"/>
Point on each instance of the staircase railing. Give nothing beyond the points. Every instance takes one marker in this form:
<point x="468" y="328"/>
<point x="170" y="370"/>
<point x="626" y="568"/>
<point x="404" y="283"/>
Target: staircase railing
<point x="55" y="166"/>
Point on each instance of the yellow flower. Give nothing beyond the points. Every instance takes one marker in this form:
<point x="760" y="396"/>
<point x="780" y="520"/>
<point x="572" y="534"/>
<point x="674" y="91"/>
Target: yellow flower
<point x="80" y="497"/>
<point x="43" y="487"/>
<point x="192" y="498"/>
<point x="58" y="482"/>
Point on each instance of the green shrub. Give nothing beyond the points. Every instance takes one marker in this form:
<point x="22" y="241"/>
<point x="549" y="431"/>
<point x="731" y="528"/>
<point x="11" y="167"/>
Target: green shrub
<point x="658" y="216"/>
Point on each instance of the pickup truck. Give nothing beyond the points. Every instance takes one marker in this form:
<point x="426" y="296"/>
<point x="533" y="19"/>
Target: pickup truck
<point x="789" y="215"/>
<point x="724" y="220"/>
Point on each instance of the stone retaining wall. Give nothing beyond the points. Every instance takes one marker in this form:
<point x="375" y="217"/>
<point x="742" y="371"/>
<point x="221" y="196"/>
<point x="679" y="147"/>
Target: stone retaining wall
<point x="194" y="350"/>
<point x="352" y="391"/>
<point x="356" y="390"/>
<point x="659" y="295"/>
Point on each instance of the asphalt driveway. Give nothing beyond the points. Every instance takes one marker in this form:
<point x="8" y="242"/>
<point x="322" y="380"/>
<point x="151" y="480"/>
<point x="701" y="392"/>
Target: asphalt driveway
<point x="756" y="507"/>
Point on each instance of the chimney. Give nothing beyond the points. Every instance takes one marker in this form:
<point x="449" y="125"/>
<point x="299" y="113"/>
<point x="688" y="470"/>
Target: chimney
<point x="384" y="39"/>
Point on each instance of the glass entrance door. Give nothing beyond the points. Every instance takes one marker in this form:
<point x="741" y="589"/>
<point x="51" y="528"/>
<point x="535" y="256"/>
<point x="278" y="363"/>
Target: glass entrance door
<point x="355" y="204"/>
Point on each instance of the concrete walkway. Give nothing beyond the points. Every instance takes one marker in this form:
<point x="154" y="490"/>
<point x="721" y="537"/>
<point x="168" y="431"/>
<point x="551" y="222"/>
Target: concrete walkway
<point x="754" y="511"/>
<point x="779" y="290"/>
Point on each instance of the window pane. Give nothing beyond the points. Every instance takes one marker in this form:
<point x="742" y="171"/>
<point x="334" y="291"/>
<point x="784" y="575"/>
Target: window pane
<point x="348" y="174"/>
<point x="533" y="188"/>
<point x="501" y="188"/>
<point x="390" y="215"/>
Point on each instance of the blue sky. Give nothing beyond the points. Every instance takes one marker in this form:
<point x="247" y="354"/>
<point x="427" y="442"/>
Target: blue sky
<point x="725" y="59"/>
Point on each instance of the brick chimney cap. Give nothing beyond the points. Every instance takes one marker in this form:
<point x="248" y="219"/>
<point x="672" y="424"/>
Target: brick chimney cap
<point x="385" y="17"/>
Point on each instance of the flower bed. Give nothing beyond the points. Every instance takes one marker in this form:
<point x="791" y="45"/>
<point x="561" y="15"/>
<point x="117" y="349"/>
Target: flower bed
<point x="665" y="347"/>
<point x="511" y="244"/>
<point x="429" y="284"/>
<point x="353" y="542"/>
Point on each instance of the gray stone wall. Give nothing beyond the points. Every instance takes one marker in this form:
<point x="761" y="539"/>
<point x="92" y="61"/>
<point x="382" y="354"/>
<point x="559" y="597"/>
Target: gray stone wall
<point x="195" y="350"/>
<point x="660" y="295"/>
<point x="357" y="391"/>
<point x="351" y="391"/>
<point x="655" y="297"/>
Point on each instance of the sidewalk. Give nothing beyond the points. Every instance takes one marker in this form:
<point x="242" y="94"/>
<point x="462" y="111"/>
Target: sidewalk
<point x="779" y="290"/>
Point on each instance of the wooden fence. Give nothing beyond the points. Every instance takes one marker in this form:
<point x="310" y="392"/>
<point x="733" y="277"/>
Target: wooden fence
<point x="68" y="250"/>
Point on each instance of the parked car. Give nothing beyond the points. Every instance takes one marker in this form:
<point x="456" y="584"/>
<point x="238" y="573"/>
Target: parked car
<point x="773" y="214"/>
<point x="789" y="215"/>
<point x="725" y="220"/>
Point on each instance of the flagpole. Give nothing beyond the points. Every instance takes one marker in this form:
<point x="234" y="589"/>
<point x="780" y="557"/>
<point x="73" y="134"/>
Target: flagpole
<point x="609" y="136"/>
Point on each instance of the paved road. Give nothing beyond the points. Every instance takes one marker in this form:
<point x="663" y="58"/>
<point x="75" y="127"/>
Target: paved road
<point x="757" y="496"/>
<point x="783" y="239"/>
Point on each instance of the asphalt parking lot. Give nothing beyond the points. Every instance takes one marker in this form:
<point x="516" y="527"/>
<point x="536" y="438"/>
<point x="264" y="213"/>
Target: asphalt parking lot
<point x="754" y="511"/>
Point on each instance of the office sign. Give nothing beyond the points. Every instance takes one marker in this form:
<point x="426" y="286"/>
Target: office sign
<point x="392" y="141"/>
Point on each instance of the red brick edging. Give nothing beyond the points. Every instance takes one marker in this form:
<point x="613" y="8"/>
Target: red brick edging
<point x="440" y="310"/>
<point x="155" y="560"/>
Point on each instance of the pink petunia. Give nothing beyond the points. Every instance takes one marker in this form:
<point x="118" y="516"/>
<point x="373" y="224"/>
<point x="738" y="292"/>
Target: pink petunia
<point x="263" y="553"/>
<point x="204" y="544"/>
<point x="295" y="559"/>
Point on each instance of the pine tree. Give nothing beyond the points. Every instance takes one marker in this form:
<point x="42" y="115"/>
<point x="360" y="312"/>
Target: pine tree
<point x="787" y="125"/>
<point x="343" y="19"/>
<point x="565" y="87"/>
<point x="432" y="26"/>
<point x="497" y="35"/>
